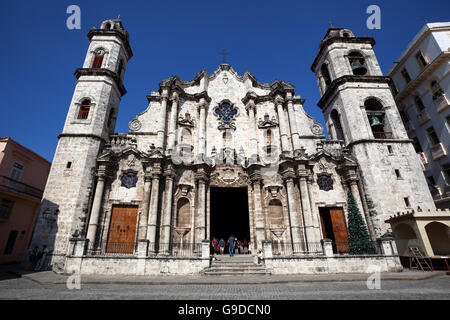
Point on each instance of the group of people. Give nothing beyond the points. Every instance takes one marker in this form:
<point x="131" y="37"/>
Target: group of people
<point x="37" y="257"/>
<point x="233" y="245"/>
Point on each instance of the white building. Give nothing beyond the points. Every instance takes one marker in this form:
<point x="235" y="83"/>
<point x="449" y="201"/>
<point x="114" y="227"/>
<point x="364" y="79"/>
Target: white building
<point x="421" y="77"/>
<point x="226" y="154"/>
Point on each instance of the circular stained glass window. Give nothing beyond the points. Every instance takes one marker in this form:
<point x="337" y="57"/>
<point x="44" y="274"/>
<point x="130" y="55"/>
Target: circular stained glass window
<point x="226" y="112"/>
<point x="129" y="180"/>
<point x="325" y="183"/>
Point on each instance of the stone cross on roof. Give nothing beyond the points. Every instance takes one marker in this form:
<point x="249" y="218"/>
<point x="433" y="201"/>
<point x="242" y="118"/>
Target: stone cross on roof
<point x="224" y="54"/>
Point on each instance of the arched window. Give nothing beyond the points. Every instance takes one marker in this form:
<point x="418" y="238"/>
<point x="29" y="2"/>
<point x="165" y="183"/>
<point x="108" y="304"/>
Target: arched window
<point x="98" y="58"/>
<point x="183" y="213"/>
<point x="275" y="213"/>
<point x="120" y="69"/>
<point x="357" y="63"/>
<point x="226" y="138"/>
<point x="269" y="137"/>
<point x="377" y="119"/>
<point x="186" y="136"/>
<point x="108" y="25"/>
<point x="85" y="106"/>
<point x="436" y="90"/>
<point x="337" y="125"/>
<point x="325" y="74"/>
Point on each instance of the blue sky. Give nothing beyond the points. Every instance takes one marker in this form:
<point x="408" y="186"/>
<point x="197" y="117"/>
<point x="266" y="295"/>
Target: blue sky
<point x="271" y="39"/>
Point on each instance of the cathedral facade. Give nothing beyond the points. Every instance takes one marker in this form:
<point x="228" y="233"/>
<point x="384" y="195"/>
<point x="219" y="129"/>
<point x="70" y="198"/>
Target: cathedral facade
<point x="225" y="154"/>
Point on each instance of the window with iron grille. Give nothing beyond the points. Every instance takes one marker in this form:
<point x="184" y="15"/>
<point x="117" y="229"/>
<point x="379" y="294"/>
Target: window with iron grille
<point x="405" y="75"/>
<point x="432" y="136"/>
<point x="85" y="106"/>
<point x="419" y="103"/>
<point x="421" y="60"/>
<point x="446" y="172"/>
<point x="5" y="209"/>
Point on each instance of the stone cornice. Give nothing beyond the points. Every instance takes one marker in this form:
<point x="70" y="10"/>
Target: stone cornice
<point x="351" y="144"/>
<point x="429" y="69"/>
<point x="81" y="135"/>
<point x="121" y="34"/>
<point x="327" y="42"/>
<point x="349" y="78"/>
<point x="181" y="95"/>
<point x="101" y="72"/>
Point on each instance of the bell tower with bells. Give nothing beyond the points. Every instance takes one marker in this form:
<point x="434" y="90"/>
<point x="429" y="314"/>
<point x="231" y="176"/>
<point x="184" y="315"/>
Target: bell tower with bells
<point x="359" y="109"/>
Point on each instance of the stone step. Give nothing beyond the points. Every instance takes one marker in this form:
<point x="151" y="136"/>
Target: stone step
<point x="235" y="273"/>
<point x="236" y="268"/>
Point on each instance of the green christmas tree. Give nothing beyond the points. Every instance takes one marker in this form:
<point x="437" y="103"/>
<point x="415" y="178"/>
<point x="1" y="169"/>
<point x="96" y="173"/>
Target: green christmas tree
<point x="358" y="237"/>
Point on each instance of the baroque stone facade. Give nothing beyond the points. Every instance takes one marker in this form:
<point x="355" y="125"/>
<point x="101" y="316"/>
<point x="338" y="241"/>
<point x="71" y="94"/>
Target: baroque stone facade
<point x="151" y="187"/>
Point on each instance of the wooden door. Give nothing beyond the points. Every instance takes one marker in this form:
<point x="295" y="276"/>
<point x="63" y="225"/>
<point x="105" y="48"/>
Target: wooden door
<point x="339" y="229"/>
<point x="122" y="230"/>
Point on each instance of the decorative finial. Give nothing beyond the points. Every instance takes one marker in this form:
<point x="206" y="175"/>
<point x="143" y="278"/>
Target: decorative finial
<point x="118" y="17"/>
<point x="331" y="24"/>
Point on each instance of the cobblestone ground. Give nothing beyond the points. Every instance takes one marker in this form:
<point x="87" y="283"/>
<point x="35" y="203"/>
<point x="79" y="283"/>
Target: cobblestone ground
<point x="434" y="288"/>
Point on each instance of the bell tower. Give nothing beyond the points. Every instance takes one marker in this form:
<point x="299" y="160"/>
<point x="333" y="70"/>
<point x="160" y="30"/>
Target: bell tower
<point x="359" y="109"/>
<point x="90" y="120"/>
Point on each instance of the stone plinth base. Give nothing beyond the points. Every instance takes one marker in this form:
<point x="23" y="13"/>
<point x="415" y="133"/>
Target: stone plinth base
<point x="132" y="265"/>
<point x="334" y="264"/>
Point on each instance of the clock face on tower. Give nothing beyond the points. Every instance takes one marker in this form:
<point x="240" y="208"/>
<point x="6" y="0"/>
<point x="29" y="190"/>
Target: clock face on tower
<point x="100" y="52"/>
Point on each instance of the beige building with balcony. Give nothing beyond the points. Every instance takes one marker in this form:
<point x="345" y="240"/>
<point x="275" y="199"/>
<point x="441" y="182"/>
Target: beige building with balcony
<point x="23" y="175"/>
<point x="421" y="84"/>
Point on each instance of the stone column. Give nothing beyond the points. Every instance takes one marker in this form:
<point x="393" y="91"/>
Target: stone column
<point x="96" y="206"/>
<point x="259" y="216"/>
<point x="173" y="122"/>
<point x="355" y="192"/>
<point x="282" y="124"/>
<point x="153" y="211"/>
<point x="314" y="211"/>
<point x="292" y="122"/>
<point x="200" y="226"/>
<point x="293" y="214"/>
<point x="142" y="230"/>
<point x="202" y="128"/>
<point x="307" y="214"/>
<point x="166" y="216"/>
<point x="161" y="131"/>
<point x="251" y="108"/>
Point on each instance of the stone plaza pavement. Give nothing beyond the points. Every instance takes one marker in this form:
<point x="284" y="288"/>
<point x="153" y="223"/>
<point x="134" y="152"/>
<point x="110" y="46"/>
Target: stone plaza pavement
<point x="19" y="284"/>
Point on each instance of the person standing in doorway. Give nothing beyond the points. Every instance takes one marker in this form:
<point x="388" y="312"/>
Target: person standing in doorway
<point x="230" y="243"/>
<point x="222" y="245"/>
<point x="214" y="245"/>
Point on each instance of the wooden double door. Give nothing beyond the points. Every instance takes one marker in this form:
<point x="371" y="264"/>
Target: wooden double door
<point x="122" y="229"/>
<point x="334" y="227"/>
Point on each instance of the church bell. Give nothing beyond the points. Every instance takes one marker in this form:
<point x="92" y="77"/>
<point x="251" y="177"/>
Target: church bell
<point x="358" y="68"/>
<point x="375" y="121"/>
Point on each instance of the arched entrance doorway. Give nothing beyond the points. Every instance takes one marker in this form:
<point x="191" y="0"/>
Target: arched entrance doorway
<point x="405" y="237"/>
<point x="439" y="237"/>
<point x="229" y="213"/>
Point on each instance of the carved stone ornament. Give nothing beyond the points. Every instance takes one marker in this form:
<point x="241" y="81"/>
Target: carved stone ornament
<point x="273" y="190"/>
<point x="267" y="123"/>
<point x="135" y="125"/>
<point x="131" y="161"/>
<point x="228" y="176"/>
<point x="324" y="165"/>
<point x="186" y="121"/>
<point x="317" y="129"/>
